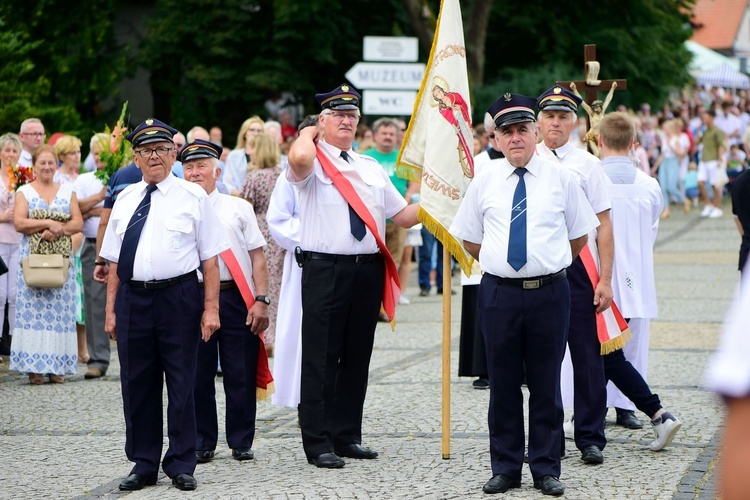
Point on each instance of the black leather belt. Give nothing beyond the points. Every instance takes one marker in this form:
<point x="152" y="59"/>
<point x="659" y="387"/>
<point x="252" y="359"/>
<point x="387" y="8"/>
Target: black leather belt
<point x="529" y="283"/>
<point x="157" y="284"/>
<point x="224" y="285"/>
<point x="357" y="259"/>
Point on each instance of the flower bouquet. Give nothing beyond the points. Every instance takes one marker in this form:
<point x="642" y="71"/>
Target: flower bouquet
<point x="119" y="153"/>
<point x="18" y="176"/>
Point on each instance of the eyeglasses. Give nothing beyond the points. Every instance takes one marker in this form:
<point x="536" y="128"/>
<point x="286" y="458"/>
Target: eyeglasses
<point x="34" y="134"/>
<point x="160" y="151"/>
<point x="340" y="117"/>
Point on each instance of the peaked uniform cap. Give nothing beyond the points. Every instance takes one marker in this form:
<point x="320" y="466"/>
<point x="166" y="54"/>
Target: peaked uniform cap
<point x="512" y="108"/>
<point x="557" y="98"/>
<point x="151" y="130"/>
<point x="198" y="149"/>
<point x="342" y="97"/>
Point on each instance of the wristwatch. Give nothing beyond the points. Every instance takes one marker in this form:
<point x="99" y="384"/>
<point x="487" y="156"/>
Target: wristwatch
<point x="263" y="298"/>
<point x="100" y="263"/>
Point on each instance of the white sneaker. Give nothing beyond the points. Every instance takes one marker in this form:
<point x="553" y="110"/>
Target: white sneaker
<point x="569" y="429"/>
<point x="665" y="427"/>
<point x="716" y="213"/>
<point x="707" y="210"/>
<point x="403" y="301"/>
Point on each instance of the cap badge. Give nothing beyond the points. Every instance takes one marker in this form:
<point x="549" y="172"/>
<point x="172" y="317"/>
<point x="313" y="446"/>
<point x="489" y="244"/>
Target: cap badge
<point x="557" y="90"/>
<point x="507" y="97"/>
<point x="345" y="88"/>
<point x="150" y="121"/>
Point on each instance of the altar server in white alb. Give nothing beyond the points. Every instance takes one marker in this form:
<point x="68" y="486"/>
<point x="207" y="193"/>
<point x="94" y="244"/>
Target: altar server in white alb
<point x="636" y="205"/>
<point x="282" y="217"/>
<point x="284" y="224"/>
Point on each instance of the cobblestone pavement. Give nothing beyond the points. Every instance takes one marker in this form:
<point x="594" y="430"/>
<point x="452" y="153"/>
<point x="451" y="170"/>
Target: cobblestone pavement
<point x="66" y="441"/>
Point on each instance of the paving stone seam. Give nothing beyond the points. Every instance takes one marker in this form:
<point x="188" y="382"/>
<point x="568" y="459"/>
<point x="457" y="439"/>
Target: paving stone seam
<point x="700" y="477"/>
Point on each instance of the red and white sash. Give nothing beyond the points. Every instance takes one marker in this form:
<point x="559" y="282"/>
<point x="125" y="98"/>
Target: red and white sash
<point x="611" y="327"/>
<point x="239" y="265"/>
<point x="344" y="182"/>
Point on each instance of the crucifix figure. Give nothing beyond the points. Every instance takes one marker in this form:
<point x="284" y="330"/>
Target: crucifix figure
<point x="591" y="85"/>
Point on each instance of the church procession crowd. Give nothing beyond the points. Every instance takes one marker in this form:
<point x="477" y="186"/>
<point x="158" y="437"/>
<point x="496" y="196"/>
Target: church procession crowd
<point x="199" y="261"/>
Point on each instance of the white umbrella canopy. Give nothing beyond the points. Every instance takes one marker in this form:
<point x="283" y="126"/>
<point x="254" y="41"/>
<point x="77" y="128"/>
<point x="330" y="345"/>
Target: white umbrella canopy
<point x="705" y="59"/>
<point x="724" y="76"/>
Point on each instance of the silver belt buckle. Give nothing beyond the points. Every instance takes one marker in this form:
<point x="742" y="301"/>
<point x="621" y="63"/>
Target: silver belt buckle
<point x="531" y="284"/>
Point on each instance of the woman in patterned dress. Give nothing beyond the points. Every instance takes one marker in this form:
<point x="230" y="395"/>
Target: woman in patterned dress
<point x="44" y="340"/>
<point x="68" y="150"/>
<point x="259" y="184"/>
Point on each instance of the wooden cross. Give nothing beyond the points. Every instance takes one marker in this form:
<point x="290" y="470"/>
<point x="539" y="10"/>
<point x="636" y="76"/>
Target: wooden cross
<point x="589" y="84"/>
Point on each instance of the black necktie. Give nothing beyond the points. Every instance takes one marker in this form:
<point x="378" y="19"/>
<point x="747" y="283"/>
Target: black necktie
<point x="355" y="221"/>
<point x="517" y="238"/>
<point x="554" y="152"/>
<point x="132" y="235"/>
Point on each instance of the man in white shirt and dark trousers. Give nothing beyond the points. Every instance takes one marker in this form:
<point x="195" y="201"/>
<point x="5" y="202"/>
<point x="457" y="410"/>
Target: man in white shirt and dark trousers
<point x="524" y="220"/>
<point x="346" y="273"/>
<point x="237" y="341"/>
<point x="160" y="231"/>
<point x="557" y="120"/>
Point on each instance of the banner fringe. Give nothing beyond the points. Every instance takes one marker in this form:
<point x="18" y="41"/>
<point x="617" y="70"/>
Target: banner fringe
<point x="450" y="243"/>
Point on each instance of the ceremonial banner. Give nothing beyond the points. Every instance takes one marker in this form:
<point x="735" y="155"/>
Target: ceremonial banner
<point x="437" y="148"/>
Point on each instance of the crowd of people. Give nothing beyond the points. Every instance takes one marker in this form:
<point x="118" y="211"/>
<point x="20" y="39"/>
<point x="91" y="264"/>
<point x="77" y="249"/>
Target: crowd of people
<point x="241" y="241"/>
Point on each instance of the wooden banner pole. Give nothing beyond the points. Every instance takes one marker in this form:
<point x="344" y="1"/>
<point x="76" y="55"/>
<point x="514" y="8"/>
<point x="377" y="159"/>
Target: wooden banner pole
<point x="446" y="418"/>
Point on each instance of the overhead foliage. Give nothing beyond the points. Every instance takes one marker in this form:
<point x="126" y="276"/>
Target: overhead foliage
<point x="215" y="63"/>
<point x="69" y="62"/>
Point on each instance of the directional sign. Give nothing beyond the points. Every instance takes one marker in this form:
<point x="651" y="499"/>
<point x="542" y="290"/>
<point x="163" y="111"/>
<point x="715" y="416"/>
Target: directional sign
<point x="396" y="76"/>
<point x="388" y="102"/>
<point x="390" y="48"/>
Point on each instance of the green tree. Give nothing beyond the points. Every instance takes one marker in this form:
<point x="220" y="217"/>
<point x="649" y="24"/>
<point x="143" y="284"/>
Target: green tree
<point x="524" y="49"/>
<point x="71" y="57"/>
<point x="639" y="40"/>
<point x="16" y="87"/>
<point x="217" y="65"/>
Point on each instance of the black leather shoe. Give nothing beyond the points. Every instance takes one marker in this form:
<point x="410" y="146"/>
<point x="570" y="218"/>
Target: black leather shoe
<point x="327" y="461"/>
<point x="627" y="419"/>
<point x="356" y="451"/>
<point x="204" y="456"/>
<point x="592" y="455"/>
<point x="184" y="482"/>
<point x="500" y="483"/>
<point x="550" y="485"/>
<point x="243" y="454"/>
<point x="136" y="482"/>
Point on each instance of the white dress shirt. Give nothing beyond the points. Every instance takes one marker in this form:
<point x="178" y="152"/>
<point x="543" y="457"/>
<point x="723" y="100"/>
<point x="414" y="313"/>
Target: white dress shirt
<point x="181" y="230"/>
<point x="324" y="212"/>
<point x="84" y="186"/>
<point x="557" y="212"/>
<point x="238" y="213"/>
